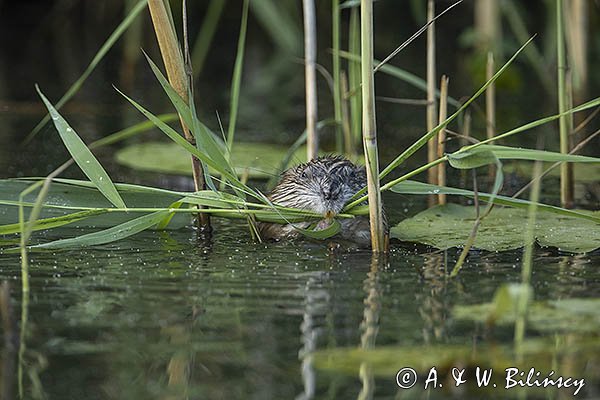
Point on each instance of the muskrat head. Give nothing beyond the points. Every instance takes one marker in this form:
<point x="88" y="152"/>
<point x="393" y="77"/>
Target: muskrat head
<point x="322" y="185"/>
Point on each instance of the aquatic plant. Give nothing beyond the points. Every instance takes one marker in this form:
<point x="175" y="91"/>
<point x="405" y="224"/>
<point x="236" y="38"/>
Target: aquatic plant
<point x="241" y="200"/>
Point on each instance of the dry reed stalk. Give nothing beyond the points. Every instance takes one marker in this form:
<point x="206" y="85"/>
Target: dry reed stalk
<point x="441" y="143"/>
<point x="488" y="26"/>
<point x="490" y="107"/>
<point x="310" y="72"/>
<point x="378" y="239"/>
<point x="577" y="23"/>
<point x="337" y="88"/>
<point x="566" y="184"/>
<point x="176" y="73"/>
<point x="431" y="101"/>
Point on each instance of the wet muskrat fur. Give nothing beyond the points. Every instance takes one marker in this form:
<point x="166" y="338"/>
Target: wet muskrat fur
<point x="323" y="185"/>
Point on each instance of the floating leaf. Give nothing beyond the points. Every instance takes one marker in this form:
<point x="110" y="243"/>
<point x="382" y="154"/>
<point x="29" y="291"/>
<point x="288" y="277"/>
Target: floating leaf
<point x="414" y="187"/>
<point x="83" y="156"/>
<point x="482" y="153"/>
<point x="449" y="226"/>
<point x="256" y="160"/>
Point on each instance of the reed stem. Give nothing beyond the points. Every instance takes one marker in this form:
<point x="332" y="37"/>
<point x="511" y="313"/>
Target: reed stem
<point x="310" y="74"/>
<point x="370" y="127"/>
<point x="173" y="60"/>
<point x="431" y="100"/>
<point x="566" y="184"/>
<point x="490" y="106"/>
<point x="441" y="143"/>
<point x="526" y="270"/>
<point x="337" y="86"/>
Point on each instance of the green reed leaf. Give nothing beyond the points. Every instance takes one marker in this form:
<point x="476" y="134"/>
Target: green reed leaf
<point x="109" y="235"/>
<point x="83" y="156"/>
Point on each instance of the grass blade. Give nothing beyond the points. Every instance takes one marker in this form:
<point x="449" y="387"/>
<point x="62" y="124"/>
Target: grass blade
<point x="205" y="140"/>
<point x="49" y="223"/>
<point x="83" y="156"/>
<point x="131" y="131"/>
<point x="506" y="152"/>
<point x="177" y="138"/>
<point x="237" y="78"/>
<point x="109" y="235"/>
<point x="401" y="74"/>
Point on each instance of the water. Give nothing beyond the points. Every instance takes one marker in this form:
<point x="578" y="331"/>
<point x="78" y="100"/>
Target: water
<point x="165" y="316"/>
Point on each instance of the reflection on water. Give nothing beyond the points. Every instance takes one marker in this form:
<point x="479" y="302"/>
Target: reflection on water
<point x="159" y="316"/>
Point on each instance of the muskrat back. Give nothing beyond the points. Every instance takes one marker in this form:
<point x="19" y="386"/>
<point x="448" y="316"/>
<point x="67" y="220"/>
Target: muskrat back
<point x="323" y="185"/>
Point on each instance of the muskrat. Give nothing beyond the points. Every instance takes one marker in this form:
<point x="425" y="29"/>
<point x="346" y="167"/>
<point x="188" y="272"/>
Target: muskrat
<point x="322" y="185"/>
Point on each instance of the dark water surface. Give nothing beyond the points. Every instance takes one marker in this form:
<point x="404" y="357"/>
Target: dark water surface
<point x="166" y="316"/>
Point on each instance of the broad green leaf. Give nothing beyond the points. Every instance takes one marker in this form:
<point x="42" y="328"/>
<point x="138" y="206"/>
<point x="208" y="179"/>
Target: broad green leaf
<point x="109" y="235"/>
<point x="83" y="156"/>
<point x="414" y="187"/>
<point x="449" y="226"/>
<point x="53" y="222"/>
<point x="506" y="152"/>
<point x="255" y="160"/>
<point x="471" y="160"/>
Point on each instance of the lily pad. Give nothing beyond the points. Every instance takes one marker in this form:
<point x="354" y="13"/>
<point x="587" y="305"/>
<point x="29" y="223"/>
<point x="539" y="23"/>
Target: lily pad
<point x="256" y="160"/>
<point x="567" y="315"/>
<point x="450" y="225"/>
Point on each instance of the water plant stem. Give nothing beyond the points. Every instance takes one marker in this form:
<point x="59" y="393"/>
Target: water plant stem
<point x="310" y="75"/>
<point x="337" y="86"/>
<point x="236" y="80"/>
<point x="370" y="127"/>
<point x="431" y="92"/>
<point x="566" y="184"/>
<point x="174" y="64"/>
<point x="490" y="105"/>
<point x="441" y="142"/>
<point x="526" y="270"/>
